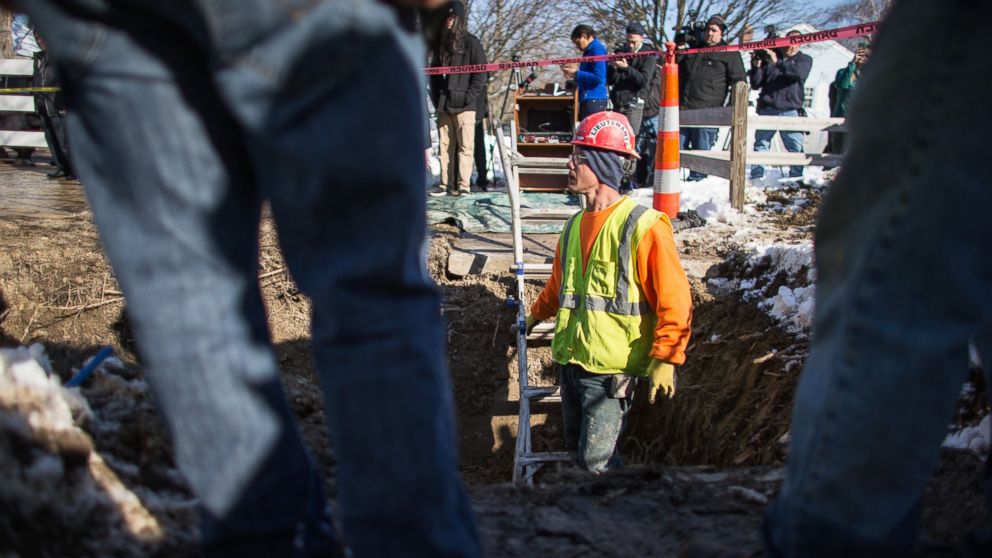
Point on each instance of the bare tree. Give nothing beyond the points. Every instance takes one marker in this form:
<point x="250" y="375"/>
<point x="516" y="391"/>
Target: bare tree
<point x="856" y="11"/>
<point x="527" y="29"/>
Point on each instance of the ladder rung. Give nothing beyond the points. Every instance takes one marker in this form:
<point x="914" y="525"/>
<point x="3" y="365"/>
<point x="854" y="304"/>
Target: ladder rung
<point x="529" y="458"/>
<point x="524" y="169"/>
<point x="544" y="331"/>
<point x="550" y="394"/>
<point x="546" y="214"/>
<point x="533" y="269"/>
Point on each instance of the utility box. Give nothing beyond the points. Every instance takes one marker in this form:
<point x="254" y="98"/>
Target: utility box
<point x="543" y="127"/>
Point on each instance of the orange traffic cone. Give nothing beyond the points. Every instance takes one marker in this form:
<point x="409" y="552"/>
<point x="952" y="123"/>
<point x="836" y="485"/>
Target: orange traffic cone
<point x="667" y="181"/>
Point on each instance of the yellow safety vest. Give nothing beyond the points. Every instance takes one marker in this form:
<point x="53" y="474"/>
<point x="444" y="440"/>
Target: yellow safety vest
<point x="604" y="324"/>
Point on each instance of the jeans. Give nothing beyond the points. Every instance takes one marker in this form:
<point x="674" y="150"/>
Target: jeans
<point x="593" y="419"/>
<point x="904" y="268"/>
<point x="591" y="106"/>
<point x="479" y="154"/>
<point x="180" y="132"/>
<point x="697" y="138"/>
<point x="793" y="142"/>
<point x="647" y="141"/>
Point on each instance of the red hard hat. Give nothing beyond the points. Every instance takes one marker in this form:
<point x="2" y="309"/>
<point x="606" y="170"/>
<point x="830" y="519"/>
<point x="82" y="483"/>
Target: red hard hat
<point x="609" y="131"/>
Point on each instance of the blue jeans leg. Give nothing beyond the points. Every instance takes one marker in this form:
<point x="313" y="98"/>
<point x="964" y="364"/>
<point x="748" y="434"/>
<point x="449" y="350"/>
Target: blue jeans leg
<point x="177" y="159"/>
<point x="793" y="142"/>
<point x="593" y="419"/>
<point x="592" y="106"/>
<point x="762" y="142"/>
<point x="898" y="297"/>
<point x="194" y="307"/>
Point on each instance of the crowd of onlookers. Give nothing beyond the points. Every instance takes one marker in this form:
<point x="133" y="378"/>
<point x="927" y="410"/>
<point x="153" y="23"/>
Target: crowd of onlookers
<point x="631" y="86"/>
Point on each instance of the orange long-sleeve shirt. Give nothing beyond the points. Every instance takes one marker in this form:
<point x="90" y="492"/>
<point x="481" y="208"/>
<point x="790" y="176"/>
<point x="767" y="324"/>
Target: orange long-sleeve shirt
<point x="665" y="286"/>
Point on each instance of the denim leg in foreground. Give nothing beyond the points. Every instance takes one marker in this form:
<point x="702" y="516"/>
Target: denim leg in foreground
<point x="348" y="200"/>
<point x="178" y="213"/>
<point x="351" y="214"/>
<point x="593" y="420"/>
<point x="904" y="268"/>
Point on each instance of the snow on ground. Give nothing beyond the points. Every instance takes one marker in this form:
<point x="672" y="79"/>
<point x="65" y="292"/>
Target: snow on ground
<point x="974" y="438"/>
<point x="767" y="256"/>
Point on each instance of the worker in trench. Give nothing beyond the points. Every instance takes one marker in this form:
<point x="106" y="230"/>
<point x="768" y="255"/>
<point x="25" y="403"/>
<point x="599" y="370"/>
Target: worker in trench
<point x="619" y="294"/>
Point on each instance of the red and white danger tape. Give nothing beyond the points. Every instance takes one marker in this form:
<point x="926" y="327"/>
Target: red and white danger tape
<point x="819" y="36"/>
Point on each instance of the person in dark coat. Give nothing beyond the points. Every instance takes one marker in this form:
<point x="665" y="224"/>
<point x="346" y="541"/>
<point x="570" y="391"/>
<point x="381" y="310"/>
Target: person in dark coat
<point x="455" y="98"/>
<point x="781" y="77"/>
<point x="481" y="168"/>
<point x="704" y="82"/>
<point x="51" y="109"/>
<point x="630" y="78"/>
<point x="647" y="138"/>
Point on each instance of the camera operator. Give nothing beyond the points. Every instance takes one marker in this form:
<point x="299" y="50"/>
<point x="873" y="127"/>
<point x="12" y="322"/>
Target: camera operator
<point x="705" y="80"/>
<point x="781" y="77"/>
<point x="631" y="78"/>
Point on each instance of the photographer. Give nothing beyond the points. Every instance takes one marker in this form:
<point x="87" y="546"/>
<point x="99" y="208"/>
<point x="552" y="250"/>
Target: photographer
<point x="705" y="80"/>
<point x="630" y="78"/>
<point x="781" y="78"/>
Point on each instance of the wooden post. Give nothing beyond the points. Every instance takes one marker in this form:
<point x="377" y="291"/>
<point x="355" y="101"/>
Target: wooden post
<point x="738" y="146"/>
<point x="6" y="35"/>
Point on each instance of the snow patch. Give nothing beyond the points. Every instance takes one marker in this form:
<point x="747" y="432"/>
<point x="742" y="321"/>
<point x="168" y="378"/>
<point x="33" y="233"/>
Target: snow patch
<point x="972" y="438"/>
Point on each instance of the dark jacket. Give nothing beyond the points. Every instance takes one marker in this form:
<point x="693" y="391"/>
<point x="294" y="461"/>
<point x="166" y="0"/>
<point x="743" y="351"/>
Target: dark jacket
<point x="630" y="83"/>
<point x="782" y="83"/>
<point x="652" y="103"/>
<point x="705" y="78"/>
<point x="455" y="93"/>
<point x="842" y="88"/>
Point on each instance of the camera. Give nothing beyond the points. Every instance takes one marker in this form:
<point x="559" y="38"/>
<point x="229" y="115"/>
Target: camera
<point x="692" y="33"/>
<point x="762" y="55"/>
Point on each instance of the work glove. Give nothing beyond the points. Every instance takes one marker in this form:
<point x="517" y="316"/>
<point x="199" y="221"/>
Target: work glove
<point x="661" y="375"/>
<point x="529" y="323"/>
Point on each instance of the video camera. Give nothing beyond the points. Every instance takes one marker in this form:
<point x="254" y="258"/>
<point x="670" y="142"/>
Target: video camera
<point x="770" y="33"/>
<point x="692" y="33"/>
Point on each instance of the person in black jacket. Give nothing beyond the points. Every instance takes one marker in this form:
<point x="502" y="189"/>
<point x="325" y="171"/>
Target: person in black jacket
<point x="647" y="138"/>
<point x="781" y="77"/>
<point x="51" y="109"/>
<point x="455" y="98"/>
<point x="481" y="169"/>
<point x="630" y="78"/>
<point x="704" y="82"/>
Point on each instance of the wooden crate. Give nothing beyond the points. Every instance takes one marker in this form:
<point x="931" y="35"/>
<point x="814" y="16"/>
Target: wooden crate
<point x="538" y="115"/>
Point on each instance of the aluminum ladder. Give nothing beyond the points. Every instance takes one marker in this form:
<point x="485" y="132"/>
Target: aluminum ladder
<point x="526" y="462"/>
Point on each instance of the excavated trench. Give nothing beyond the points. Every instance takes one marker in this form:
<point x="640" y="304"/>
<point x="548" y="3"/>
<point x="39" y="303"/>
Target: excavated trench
<point x="732" y="405"/>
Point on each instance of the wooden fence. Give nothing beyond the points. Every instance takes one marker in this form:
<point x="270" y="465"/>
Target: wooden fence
<point x="20" y="103"/>
<point x="733" y="164"/>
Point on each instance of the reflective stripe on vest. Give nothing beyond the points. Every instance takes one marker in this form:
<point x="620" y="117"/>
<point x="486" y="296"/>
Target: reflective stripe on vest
<point x="620" y="303"/>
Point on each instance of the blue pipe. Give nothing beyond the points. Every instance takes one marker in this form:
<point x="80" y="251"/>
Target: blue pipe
<point x="81" y="376"/>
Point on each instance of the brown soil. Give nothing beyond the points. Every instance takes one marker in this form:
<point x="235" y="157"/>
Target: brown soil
<point x="732" y="410"/>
